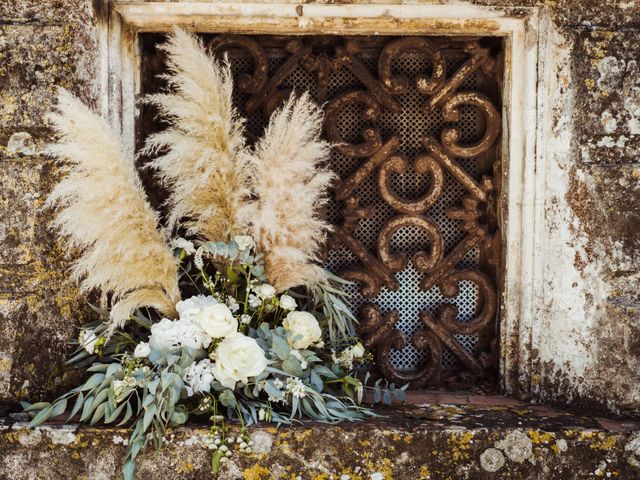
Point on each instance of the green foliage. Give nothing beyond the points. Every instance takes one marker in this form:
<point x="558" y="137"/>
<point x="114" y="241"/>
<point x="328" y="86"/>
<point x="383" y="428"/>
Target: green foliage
<point x="150" y="393"/>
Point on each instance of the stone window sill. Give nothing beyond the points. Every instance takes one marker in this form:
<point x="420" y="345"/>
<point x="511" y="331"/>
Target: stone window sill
<point x="453" y="436"/>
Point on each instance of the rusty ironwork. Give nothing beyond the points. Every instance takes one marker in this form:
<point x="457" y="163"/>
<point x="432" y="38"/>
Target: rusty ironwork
<point x="437" y="177"/>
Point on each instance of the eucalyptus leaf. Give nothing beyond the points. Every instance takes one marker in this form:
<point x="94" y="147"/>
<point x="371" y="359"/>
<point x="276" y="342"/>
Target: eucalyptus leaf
<point x="98" y="414"/>
<point x="41" y="417"/>
<point x="148" y="416"/>
<point x="228" y="399"/>
<point x="292" y="366"/>
<point x="280" y="347"/>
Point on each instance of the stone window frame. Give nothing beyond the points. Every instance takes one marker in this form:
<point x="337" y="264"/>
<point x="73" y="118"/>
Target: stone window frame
<point x="523" y="174"/>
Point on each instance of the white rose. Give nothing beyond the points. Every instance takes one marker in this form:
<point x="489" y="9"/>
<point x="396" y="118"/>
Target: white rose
<point x="245" y="242"/>
<point x="88" y="340"/>
<point x="265" y="291"/>
<point x="302" y="329"/>
<point x="142" y="350"/>
<point x="217" y="320"/>
<point x="238" y="358"/>
<point x="287" y="302"/>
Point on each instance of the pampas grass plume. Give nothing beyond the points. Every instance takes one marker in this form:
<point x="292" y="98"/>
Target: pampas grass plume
<point x="291" y="183"/>
<point x="202" y="158"/>
<point x="102" y="210"/>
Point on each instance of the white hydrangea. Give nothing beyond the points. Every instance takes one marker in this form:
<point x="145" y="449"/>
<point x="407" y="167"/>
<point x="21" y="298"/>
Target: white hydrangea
<point x="190" y="308"/>
<point x="198" y="377"/>
<point x="184" y="244"/>
<point x="173" y="334"/>
<point x="244" y="318"/>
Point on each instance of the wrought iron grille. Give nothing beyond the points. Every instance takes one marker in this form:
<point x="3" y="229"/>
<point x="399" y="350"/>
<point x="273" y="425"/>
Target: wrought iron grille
<point x="416" y="122"/>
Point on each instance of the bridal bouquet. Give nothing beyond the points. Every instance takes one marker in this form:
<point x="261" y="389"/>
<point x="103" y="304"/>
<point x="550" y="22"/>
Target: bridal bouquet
<point x="222" y="310"/>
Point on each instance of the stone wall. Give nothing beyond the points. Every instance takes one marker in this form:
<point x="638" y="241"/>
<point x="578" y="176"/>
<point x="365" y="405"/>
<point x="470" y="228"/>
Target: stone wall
<point x="584" y="342"/>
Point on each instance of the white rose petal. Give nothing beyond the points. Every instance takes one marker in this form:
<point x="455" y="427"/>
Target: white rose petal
<point x="217" y="320"/>
<point x="287" y="302"/>
<point x="238" y="358"/>
<point x="302" y="329"/>
<point x="142" y="350"/>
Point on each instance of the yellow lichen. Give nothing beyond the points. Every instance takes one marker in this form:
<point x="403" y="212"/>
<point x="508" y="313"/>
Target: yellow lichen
<point x="537" y="437"/>
<point x="604" y="442"/>
<point x="301" y="436"/>
<point x="425" y="473"/>
<point x="257" y="472"/>
<point x="460" y="443"/>
<point x="184" y="467"/>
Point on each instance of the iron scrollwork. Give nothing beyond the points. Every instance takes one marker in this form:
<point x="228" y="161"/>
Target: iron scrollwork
<point x="377" y="156"/>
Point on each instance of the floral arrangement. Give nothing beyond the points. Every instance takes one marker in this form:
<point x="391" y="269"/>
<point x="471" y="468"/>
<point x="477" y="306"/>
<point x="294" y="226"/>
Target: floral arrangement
<point x="224" y="312"/>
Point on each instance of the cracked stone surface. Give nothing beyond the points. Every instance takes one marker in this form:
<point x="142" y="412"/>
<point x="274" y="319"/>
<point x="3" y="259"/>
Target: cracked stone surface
<point x="443" y="442"/>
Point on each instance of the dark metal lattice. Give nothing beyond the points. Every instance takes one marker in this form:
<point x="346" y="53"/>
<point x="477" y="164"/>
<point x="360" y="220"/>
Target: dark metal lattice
<point x="417" y="124"/>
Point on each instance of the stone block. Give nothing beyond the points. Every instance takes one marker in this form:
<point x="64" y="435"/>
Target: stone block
<point x="34" y="61"/>
<point x="20" y="199"/>
<point x="607" y="84"/>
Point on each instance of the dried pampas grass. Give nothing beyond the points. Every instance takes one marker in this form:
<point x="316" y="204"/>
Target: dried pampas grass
<point x="102" y="210"/>
<point x="291" y="183"/>
<point x="203" y="159"/>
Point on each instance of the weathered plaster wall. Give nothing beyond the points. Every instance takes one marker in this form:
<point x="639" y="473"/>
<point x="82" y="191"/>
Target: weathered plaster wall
<point x="585" y="338"/>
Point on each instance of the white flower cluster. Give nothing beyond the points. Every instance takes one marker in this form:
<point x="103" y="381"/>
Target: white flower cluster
<point x="294" y="387"/>
<point x="171" y="335"/>
<point x="120" y="387"/>
<point x="199" y="376"/>
<point x="203" y="318"/>
<point x="348" y="356"/>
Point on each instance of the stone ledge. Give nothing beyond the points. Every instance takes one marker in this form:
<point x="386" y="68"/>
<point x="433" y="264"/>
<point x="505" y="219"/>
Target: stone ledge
<point x="437" y="442"/>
